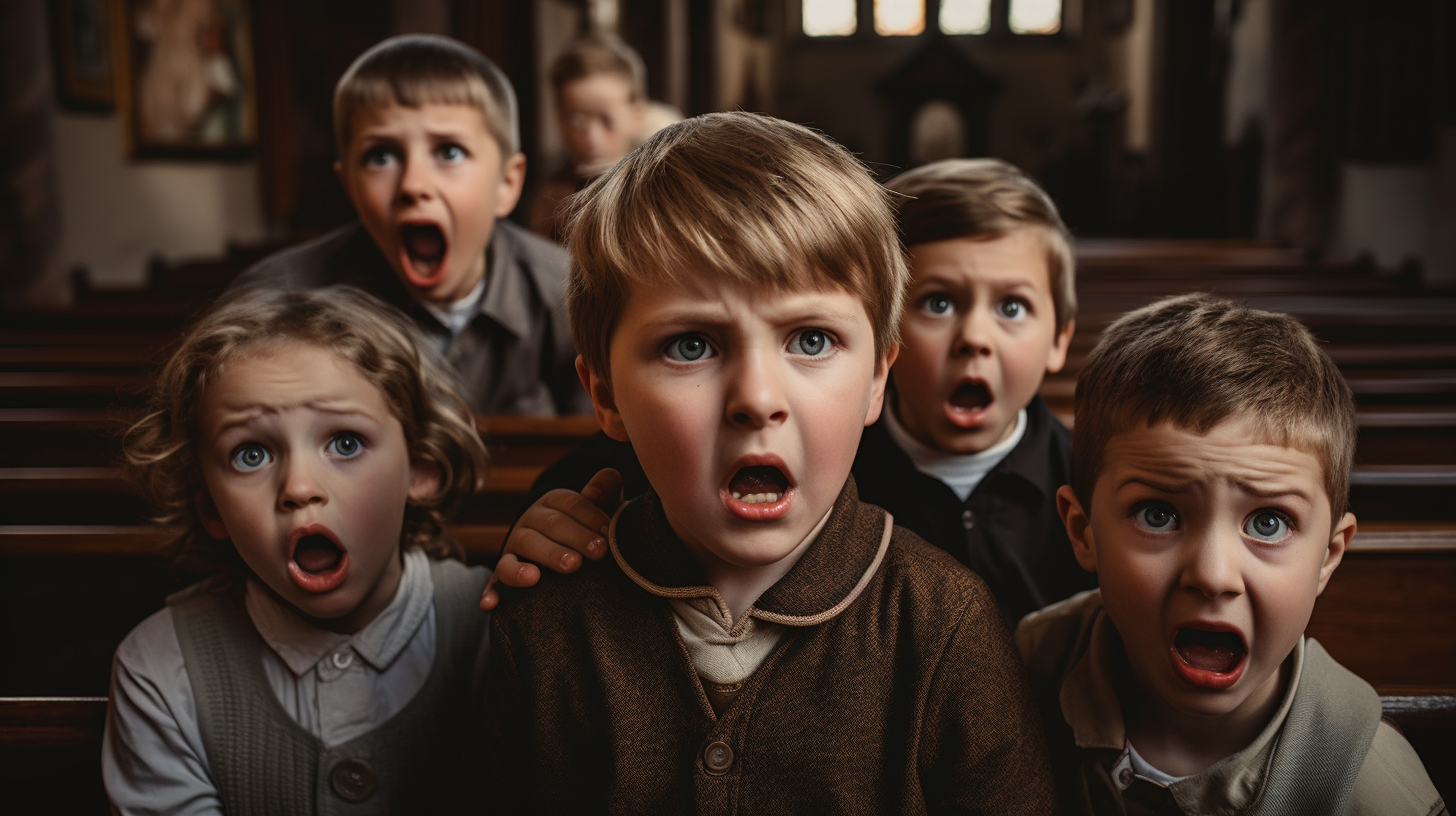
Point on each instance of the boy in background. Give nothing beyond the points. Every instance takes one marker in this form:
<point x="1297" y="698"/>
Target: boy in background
<point x="600" y="86"/>
<point x="967" y="456"/>
<point x="429" y="155"/>
<point x="1210" y="481"/>
<point x="760" y="639"/>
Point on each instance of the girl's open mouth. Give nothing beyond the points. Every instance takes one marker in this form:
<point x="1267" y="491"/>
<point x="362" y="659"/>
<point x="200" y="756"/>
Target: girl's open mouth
<point x="318" y="564"/>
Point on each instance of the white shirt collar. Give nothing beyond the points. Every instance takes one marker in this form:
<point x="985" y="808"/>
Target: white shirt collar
<point x="960" y="472"/>
<point x="459" y="314"/>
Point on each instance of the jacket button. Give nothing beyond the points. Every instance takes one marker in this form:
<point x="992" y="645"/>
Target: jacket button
<point x="353" y="780"/>
<point x="717" y="758"/>
<point x="968" y="519"/>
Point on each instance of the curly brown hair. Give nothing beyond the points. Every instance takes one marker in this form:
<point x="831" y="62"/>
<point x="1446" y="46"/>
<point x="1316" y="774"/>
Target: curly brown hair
<point x="378" y="339"/>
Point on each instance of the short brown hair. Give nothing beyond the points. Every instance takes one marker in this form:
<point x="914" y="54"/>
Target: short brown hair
<point x="985" y="199"/>
<point x="744" y="196"/>
<point x="378" y="339"/>
<point x="422" y="69"/>
<point x="1196" y="360"/>
<point x="600" y="54"/>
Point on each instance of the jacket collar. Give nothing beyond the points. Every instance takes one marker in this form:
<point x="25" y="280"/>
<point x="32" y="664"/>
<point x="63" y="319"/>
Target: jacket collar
<point x="827" y="577"/>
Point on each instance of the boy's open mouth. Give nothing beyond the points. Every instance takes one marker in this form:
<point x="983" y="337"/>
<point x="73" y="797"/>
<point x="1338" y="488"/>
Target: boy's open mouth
<point x="758" y="484"/>
<point x="315" y="554"/>
<point x="1217" y="652"/>
<point x="971" y="396"/>
<point x="424" y="247"/>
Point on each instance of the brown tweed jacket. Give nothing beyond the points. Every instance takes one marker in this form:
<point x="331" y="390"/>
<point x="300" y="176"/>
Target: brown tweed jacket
<point x="908" y="700"/>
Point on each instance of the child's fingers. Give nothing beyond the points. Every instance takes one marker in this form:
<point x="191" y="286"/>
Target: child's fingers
<point x="510" y="571"/>
<point x="565" y="518"/>
<point x="604" y="490"/>
<point x="558" y="546"/>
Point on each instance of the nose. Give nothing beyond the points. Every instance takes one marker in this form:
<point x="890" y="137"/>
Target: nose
<point x="1213" y="563"/>
<point x="416" y="180"/>
<point x="974" y="333"/>
<point x="301" y="486"/>
<point x="756" y="397"/>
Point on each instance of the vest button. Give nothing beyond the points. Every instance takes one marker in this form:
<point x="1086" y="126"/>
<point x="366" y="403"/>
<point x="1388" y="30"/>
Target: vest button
<point x="353" y="780"/>
<point x="717" y="758"/>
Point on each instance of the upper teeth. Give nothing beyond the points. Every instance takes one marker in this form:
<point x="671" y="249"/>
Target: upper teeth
<point x="756" y="498"/>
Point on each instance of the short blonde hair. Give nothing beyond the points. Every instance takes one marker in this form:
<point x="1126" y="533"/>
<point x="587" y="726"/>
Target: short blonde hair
<point x="985" y="199"/>
<point x="598" y="54"/>
<point x="378" y="339"/>
<point x="1196" y="360"/>
<point x="423" y="69"/>
<point x="744" y="196"/>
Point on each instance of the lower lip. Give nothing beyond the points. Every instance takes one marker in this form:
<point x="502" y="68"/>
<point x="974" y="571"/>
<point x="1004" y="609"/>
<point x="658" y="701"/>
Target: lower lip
<point x="1204" y="678"/>
<point x="320" y="581"/>
<point x="763" y="511"/>
<point x="422" y="281"/>
<point x="967" y="417"/>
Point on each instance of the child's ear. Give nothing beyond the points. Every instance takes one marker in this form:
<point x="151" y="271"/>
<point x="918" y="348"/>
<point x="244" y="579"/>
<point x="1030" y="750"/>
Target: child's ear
<point x="877" y="385"/>
<point x="1079" y="527"/>
<point x="1057" y="357"/>
<point x="602" y="402"/>
<point x="508" y="189"/>
<point x="1340" y="536"/>
<point x="208" y="515"/>
<point x="425" y="482"/>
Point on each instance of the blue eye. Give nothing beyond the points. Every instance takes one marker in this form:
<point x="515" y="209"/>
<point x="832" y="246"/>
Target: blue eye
<point x="451" y="152"/>
<point x="1267" y="525"/>
<point x="250" y="457"/>
<point x="1012" y="308"/>
<point x="810" y="342"/>
<point x="377" y="157"/>
<point x="346" y="444"/>
<point x="688" y="348"/>
<point x="937" y="304"/>
<point x="1155" y="517"/>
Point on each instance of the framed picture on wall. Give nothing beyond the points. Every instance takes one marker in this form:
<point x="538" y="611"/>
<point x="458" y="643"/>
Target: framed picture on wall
<point x="81" y="46"/>
<point x="186" y="86"/>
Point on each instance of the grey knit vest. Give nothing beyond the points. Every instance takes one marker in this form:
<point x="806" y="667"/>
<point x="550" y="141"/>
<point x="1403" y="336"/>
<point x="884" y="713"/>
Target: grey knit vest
<point x="264" y="763"/>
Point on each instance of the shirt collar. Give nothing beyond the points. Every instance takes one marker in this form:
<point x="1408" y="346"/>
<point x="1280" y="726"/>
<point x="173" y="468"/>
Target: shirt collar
<point x="301" y="645"/>
<point x="509" y="298"/>
<point x="830" y="574"/>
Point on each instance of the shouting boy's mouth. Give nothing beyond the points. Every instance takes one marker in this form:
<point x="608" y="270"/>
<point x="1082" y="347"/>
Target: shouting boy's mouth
<point x="1209" y="658"/>
<point x="318" y="564"/>
<point x="424" y="248"/>
<point x="758" y="492"/>
<point x="968" y="403"/>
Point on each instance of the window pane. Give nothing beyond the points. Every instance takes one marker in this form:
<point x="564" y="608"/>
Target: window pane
<point x="899" y="18"/>
<point x="1035" y="16"/>
<point x="965" y="16"/>
<point x="829" y="18"/>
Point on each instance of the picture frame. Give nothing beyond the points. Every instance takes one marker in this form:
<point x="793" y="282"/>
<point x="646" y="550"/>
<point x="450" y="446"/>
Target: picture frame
<point x="186" y="84"/>
<point x="81" y="49"/>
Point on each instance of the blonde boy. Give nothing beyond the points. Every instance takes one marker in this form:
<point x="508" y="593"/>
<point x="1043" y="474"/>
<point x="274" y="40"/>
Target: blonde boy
<point x="429" y="155"/>
<point x="759" y="640"/>
<point x="967" y="455"/>
<point x="1209" y="491"/>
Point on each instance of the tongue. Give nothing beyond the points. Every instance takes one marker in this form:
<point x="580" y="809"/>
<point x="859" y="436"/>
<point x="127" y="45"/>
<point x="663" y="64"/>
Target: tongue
<point x="971" y="396"/>
<point x="317" y="554"/>
<point x="758" y="479"/>
<point x="1210" y="651"/>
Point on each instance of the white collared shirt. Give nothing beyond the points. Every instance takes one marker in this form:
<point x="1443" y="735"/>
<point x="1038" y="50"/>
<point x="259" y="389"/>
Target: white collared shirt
<point x="335" y="686"/>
